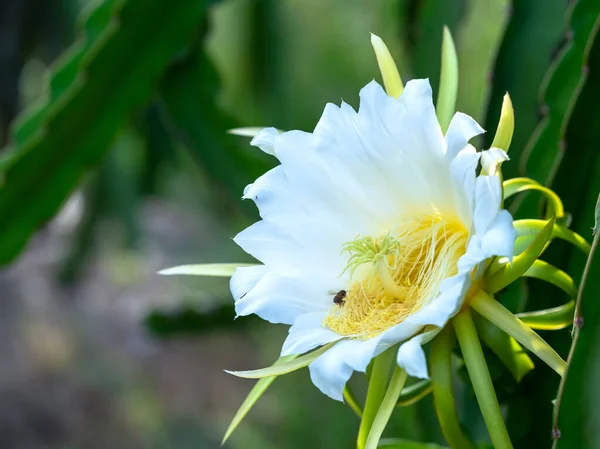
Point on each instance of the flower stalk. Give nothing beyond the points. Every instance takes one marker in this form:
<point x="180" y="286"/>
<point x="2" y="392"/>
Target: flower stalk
<point x="481" y="379"/>
<point x="378" y="381"/>
<point x="387" y="407"/>
<point x="440" y="370"/>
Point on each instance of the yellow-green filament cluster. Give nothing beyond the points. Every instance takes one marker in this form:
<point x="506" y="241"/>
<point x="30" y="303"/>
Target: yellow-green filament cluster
<point x="394" y="275"/>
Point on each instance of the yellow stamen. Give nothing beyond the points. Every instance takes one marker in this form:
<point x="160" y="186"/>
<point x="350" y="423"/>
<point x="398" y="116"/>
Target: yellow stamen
<point x="394" y="275"/>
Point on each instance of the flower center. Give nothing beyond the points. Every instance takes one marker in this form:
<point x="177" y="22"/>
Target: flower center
<point x="394" y="275"/>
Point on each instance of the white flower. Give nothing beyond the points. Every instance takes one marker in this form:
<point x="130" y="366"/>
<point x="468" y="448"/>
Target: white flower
<point x="379" y="211"/>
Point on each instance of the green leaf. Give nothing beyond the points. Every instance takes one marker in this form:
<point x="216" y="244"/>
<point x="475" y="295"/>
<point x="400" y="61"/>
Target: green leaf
<point x="506" y="348"/>
<point x="510" y="272"/>
<point x="254" y="395"/>
<point x="398" y="443"/>
<point x="414" y="393"/>
<point x="387" y="407"/>
<point x="91" y="99"/>
<point x="446" y="99"/>
<point x="283" y="368"/>
<point x="562" y="86"/>
<point x="206" y="269"/>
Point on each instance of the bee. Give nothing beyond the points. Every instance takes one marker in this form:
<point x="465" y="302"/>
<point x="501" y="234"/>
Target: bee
<point x="339" y="298"/>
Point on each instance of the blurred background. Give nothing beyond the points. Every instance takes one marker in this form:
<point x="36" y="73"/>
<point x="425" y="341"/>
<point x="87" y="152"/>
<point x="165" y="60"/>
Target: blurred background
<point x="117" y="163"/>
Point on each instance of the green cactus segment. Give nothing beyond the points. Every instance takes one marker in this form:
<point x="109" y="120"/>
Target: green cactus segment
<point x="534" y="30"/>
<point x="188" y="93"/>
<point x="72" y="131"/>
<point x="563" y="84"/>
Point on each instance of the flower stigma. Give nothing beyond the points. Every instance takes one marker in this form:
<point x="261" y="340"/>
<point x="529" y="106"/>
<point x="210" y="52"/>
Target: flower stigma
<point x="392" y="276"/>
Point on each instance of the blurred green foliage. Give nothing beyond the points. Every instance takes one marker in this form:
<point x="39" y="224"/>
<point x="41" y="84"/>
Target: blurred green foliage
<point x="154" y="85"/>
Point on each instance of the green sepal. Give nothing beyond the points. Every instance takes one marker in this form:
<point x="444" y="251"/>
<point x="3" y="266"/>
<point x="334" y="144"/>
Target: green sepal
<point x="448" y="90"/>
<point x="506" y="125"/>
<point x="398" y="443"/>
<point x="414" y="393"/>
<point x="506" y="348"/>
<point x="529" y="229"/>
<point x="510" y="272"/>
<point x="518" y="185"/>
<point x="257" y="391"/>
<point x="205" y="269"/>
<point x="283" y="368"/>
<point x="554" y="318"/>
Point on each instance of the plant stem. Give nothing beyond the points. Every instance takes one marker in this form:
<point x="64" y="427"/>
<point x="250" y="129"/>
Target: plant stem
<point x="378" y="381"/>
<point x="440" y="371"/>
<point x="481" y="380"/>
<point x="495" y="312"/>
<point x="351" y="401"/>
<point x="387" y="407"/>
<point x="577" y="325"/>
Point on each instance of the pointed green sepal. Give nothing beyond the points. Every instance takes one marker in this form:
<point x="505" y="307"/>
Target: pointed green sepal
<point x="448" y="90"/>
<point x="506" y="348"/>
<point x="206" y="269"/>
<point x="283" y="368"/>
<point x="529" y="229"/>
<point x="506" y="125"/>
<point x="414" y="393"/>
<point x="400" y="443"/>
<point x="250" y="131"/>
<point x="499" y="315"/>
<point x="387" y="407"/>
<point x="553" y="319"/>
<point x="518" y="185"/>
<point x="510" y="272"/>
<point x="254" y="395"/>
<point x="389" y="72"/>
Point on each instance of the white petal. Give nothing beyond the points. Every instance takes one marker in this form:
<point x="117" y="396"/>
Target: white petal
<point x="463" y="170"/>
<point x="491" y="158"/>
<point x="281" y="299"/>
<point x="411" y="356"/>
<point x="462" y="128"/>
<point x="271" y="194"/>
<point x="499" y="239"/>
<point x="265" y="140"/>
<point x="330" y="371"/>
<point x="307" y="333"/>
<point x="245" y="279"/>
<point x="488" y="195"/>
